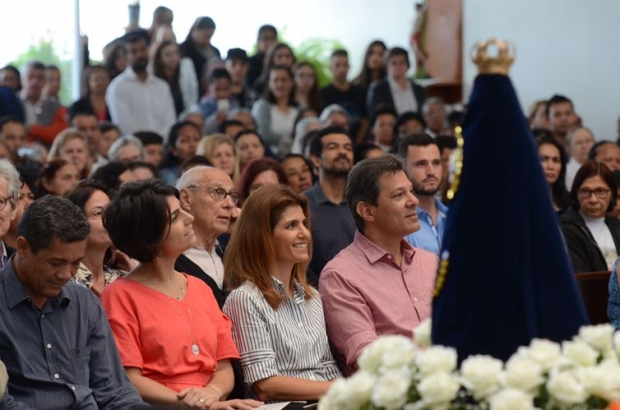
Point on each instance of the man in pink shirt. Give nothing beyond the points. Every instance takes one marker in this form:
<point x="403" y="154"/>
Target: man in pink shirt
<point x="379" y="284"/>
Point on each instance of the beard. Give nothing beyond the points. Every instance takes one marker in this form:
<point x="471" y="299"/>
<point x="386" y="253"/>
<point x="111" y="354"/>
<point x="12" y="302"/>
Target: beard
<point x="139" y="66"/>
<point x="420" y="190"/>
<point x="338" y="170"/>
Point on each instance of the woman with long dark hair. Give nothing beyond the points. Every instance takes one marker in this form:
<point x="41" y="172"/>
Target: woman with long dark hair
<point x="553" y="160"/>
<point x="276" y="111"/>
<point x="178" y="73"/>
<point x="279" y="54"/>
<point x="95" y="271"/>
<point x="373" y="68"/>
<point x="307" y="92"/>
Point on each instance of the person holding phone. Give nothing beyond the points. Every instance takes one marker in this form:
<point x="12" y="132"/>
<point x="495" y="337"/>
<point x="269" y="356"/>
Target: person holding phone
<point x="218" y="101"/>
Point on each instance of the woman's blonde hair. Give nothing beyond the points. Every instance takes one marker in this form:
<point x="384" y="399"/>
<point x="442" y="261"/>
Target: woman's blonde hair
<point x="207" y="145"/>
<point x="61" y="139"/>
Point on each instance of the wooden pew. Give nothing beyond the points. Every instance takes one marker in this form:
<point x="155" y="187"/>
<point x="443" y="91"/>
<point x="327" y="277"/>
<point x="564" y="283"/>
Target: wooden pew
<point x="593" y="286"/>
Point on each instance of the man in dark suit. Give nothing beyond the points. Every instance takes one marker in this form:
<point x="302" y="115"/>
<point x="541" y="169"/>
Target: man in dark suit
<point x="396" y="91"/>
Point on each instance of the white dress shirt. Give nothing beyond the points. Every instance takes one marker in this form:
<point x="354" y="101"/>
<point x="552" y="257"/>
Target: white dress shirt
<point x="404" y="99"/>
<point x="138" y="105"/>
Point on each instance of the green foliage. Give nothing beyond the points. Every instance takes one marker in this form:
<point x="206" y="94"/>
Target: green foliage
<point x="45" y="52"/>
<point x="317" y="52"/>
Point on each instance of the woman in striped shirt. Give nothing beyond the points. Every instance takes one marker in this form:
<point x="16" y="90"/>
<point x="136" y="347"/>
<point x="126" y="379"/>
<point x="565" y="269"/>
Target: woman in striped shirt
<point x="277" y="318"/>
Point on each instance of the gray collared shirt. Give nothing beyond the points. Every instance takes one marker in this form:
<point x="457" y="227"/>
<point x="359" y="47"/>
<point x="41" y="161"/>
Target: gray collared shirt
<point x="63" y="356"/>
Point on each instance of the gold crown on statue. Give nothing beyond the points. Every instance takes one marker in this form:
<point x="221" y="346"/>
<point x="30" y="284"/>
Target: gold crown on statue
<point x="489" y="64"/>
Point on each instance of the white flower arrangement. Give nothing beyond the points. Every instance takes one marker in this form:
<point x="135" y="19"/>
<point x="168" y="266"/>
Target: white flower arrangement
<point x="396" y="372"/>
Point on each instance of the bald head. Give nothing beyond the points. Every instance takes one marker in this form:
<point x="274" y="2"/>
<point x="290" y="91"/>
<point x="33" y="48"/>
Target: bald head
<point x="207" y="193"/>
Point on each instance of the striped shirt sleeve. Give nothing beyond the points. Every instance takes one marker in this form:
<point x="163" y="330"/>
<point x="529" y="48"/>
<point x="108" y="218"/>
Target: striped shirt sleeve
<point x="249" y="330"/>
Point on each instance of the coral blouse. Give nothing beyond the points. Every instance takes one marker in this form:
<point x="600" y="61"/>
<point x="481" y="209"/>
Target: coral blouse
<point x="153" y="332"/>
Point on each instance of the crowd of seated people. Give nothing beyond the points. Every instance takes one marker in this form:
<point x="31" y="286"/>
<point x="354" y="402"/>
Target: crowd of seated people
<point x="218" y="205"/>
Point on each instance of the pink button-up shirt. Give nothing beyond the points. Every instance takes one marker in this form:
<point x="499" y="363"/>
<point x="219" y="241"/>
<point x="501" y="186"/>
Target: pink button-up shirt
<point x="366" y="294"/>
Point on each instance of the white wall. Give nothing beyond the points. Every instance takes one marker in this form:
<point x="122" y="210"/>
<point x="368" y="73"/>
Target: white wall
<point x="567" y="47"/>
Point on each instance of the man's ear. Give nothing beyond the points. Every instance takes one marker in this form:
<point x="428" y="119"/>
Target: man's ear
<point x="316" y="161"/>
<point x="184" y="199"/>
<point x="365" y="211"/>
<point x="22" y="247"/>
<point x="13" y="210"/>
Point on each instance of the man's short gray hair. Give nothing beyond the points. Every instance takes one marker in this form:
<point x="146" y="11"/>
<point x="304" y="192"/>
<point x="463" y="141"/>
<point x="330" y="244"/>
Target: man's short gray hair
<point x="191" y="176"/>
<point x="573" y="130"/>
<point x="331" y="109"/>
<point x="11" y="176"/>
<point x="122" y="142"/>
<point x="433" y="101"/>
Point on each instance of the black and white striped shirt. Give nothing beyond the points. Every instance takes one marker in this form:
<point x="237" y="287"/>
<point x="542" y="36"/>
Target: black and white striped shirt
<point x="290" y="341"/>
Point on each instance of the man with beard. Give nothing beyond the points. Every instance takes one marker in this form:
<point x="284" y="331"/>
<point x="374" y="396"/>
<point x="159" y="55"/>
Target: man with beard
<point x="422" y="160"/>
<point x="331" y="153"/>
<point x="137" y="100"/>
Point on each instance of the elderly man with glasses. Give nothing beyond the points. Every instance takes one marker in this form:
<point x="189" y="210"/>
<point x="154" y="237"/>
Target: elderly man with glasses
<point x="209" y="195"/>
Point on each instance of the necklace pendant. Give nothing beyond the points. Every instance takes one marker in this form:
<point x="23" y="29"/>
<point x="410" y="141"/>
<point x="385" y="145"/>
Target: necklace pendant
<point x="195" y="349"/>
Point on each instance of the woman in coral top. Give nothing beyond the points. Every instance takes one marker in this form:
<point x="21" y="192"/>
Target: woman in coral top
<point x="174" y="341"/>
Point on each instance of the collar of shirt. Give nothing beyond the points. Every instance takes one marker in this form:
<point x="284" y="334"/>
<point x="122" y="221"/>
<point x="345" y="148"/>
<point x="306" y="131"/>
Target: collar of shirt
<point x="15" y="292"/>
<point x="441" y="208"/>
<point x="318" y="197"/>
<point x="298" y="291"/>
<point x="374" y="253"/>
<point x="395" y="87"/>
<point x="130" y="74"/>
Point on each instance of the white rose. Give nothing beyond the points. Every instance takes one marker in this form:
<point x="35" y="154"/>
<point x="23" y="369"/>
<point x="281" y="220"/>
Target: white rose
<point x="337" y="397"/>
<point x="360" y="387"/>
<point x="387" y="352"/>
<point x="390" y="390"/>
<point x="436" y="359"/>
<point x="523" y="373"/>
<point x="610" y="355"/>
<point x="598" y="336"/>
<point x="601" y="381"/>
<point x="481" y="375"/>
<point x="438" y="390"/>
<point x="544" y="352"/>
<point x="564" y="387"/>
<point x="511" y="399"/>
<point x="617" y="342"/>
<point x="400" y="352"/>
<point x="580" y="353"/>
<point x="422" y="334"/>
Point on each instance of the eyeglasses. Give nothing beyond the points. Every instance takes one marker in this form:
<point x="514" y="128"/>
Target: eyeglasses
<point x="585" y="193"/>
<point x="4" y="201"/>
<point x="219" y="194"/>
